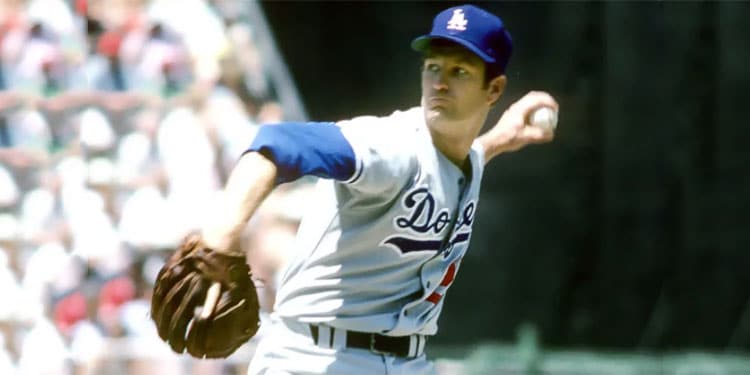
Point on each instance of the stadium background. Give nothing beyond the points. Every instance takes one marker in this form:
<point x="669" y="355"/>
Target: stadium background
<point x="621" y="248"/>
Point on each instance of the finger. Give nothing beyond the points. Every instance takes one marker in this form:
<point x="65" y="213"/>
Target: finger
<point x="165" y="312"/>
<point x="185" y="313"/>
<point x="513" y="118"/>
<point x="157" y="297"/>
<point x="533" y="101"/>
<point x="198" y="342"/>
<point x="212" y="296"/>
<point x="234" y="316"/>
<point x="168" y="276"/>
<point x="536" y="134"/>
<point x="197" y="337"/>
<point x="541" y="99"/>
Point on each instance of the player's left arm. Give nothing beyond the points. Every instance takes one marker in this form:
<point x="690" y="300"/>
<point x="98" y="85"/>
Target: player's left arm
<point x="279" y="153"/>
<point x="513" y="131"/>
<point x="209" y="271"/>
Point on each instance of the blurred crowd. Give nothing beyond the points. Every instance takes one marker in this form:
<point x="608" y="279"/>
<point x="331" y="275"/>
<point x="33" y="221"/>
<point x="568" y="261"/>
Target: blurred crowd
<point x="119" y="122"/>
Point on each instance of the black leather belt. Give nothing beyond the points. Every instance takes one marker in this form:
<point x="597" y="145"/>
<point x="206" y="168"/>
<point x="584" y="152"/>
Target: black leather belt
<point x="376" y="343"/>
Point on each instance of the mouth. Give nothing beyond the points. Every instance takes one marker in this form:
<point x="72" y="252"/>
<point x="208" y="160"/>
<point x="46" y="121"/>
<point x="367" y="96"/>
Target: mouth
<point x="438" y="100"/>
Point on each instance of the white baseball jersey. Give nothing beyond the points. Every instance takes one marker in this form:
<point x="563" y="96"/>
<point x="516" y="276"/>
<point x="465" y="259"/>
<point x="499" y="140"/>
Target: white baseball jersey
<point x="378" y="252"/>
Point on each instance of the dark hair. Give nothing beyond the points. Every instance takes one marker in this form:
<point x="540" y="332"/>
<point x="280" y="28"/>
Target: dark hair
<point x="491" y="72"/>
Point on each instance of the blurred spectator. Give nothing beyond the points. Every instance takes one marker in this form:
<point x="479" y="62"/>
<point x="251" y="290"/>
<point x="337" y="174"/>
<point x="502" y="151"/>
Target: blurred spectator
<point x="6" y="362"/>
<point x="41" y="267"/>
<point x="230" y="125"/>
<point x="246" y="57"/>
<point x="70" y="310"/>
<point x="9" y="192"/>
<point x="41" y="216"/>
<point x="42" y="46"/>
<point x="87" y="347"/>
<point x="98" y="143"/>
<point x="147" y="222"/>
<point x="270" y="113"/>
<point x="43" y="350"/>
<point x="119" y="121"/>
<point x="154" y="60"/>
<point x="62" y="21"/>
<point x="33" y="60"/>
<point x="27" y="130"/>
<point x="9" y="288"/>
<point x="95" y="132"/>
<point x="189" y="163"/>
<point x="27" y="144"/>
<point x="113" y="294"/>
<point x="201" y="30"/>
<point x="137" y="158"/>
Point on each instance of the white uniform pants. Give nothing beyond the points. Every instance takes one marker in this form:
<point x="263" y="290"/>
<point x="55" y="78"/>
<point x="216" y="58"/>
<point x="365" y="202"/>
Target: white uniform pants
<point x="287" y="348"/>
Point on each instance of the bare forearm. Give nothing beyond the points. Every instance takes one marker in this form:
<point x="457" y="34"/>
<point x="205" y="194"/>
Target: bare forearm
<point x="494" y="144"/>
<point x="250" y="182"/>
<point x="513" y="131"/>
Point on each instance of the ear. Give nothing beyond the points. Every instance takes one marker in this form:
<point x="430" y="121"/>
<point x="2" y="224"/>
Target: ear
<point x="495" y="89"/>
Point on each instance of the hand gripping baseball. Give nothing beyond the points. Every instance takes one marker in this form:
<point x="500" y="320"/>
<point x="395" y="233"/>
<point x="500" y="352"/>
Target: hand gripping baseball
<point x="533" y="117"/>
<point x="527" y="121"/>
<point x="204" y="301"/>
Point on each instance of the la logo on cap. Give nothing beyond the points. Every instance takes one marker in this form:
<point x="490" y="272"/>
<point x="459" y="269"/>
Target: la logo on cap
<point x="458" y="21"/>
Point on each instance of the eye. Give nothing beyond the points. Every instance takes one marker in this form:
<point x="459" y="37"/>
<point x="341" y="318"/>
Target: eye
<point x="461" y="72"/>
<point x="431" y="67"/>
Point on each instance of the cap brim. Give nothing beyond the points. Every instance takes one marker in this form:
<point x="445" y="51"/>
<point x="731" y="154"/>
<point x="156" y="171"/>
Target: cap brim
<point x="421" y="43"/>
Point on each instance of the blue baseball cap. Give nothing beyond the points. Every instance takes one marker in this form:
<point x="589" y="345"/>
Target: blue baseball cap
<point x="474" y="28"/>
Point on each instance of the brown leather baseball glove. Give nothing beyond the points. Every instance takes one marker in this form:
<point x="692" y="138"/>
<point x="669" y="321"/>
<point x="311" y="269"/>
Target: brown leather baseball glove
<point x="194" y="279"/>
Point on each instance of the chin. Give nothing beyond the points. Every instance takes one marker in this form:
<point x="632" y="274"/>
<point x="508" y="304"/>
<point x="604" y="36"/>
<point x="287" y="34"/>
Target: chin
<point x="439" y="121"/>
<point x="434" y="115"/>
<point x="440" y="114"/>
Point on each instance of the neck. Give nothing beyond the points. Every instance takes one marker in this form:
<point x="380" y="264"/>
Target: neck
<point x="456" y="150"/>
<point x="455" y="140"/>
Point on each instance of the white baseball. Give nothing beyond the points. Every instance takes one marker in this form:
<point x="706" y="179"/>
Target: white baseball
<point x="545" y="118"/>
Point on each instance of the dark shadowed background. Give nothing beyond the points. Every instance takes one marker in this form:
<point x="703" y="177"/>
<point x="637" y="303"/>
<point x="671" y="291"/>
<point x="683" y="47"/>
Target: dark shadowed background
<point x="631" y="229"/>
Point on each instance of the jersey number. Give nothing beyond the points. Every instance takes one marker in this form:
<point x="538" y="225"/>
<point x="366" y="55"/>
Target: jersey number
<point x="448" y="278"/>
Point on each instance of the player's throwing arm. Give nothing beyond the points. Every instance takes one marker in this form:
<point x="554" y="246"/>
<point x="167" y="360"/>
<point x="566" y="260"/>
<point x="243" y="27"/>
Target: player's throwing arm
<point x="532" y="119"/>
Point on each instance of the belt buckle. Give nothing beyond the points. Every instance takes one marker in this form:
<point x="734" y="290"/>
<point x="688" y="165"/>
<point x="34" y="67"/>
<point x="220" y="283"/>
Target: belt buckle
<point x="373" y="349"/>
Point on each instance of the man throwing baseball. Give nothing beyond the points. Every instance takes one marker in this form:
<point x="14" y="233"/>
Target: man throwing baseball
<point x="383" y="239"/>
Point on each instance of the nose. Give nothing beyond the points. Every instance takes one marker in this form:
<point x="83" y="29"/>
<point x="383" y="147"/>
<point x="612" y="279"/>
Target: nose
<point x="439" y="82"/>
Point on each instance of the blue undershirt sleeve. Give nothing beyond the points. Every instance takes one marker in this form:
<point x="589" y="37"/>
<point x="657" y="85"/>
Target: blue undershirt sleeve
<point x="306" y="149"/>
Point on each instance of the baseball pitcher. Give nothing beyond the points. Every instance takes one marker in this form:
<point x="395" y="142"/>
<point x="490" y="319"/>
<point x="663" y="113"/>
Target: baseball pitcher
<point x="383" y="239"/>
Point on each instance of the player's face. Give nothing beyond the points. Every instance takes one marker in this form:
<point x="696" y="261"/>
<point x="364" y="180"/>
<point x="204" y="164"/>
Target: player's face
<point x="453" y="87"/>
